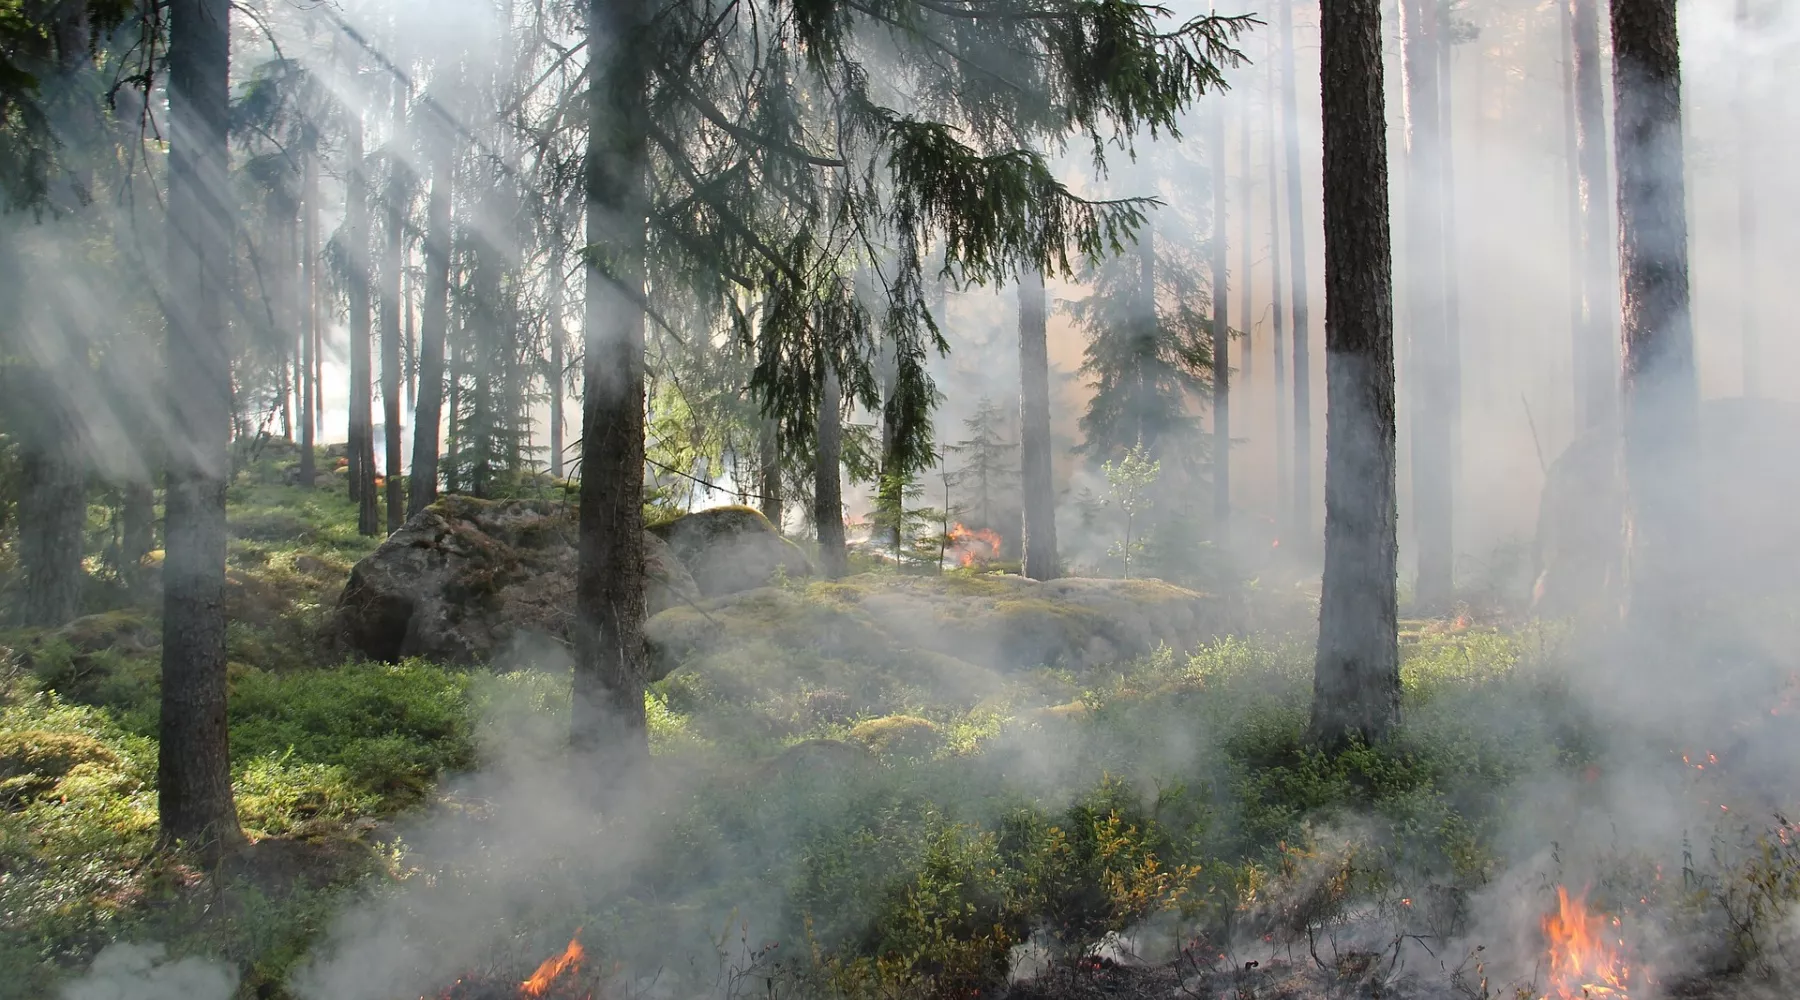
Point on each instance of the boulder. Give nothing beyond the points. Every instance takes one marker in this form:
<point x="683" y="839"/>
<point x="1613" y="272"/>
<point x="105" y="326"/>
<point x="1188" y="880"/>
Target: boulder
<point x="731" y="549"/>
<point x="1745" y="539"/>
<point x="474" y="581"/>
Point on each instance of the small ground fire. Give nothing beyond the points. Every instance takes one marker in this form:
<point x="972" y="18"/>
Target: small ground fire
<point x="1586" y="952"/>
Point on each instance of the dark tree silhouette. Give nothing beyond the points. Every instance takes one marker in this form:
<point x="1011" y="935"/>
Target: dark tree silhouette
<point x="1038" y="536"/>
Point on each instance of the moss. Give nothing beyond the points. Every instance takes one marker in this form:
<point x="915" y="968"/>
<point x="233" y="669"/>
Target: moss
<point x="899" y="735"/>
<point x="32" y="761"/>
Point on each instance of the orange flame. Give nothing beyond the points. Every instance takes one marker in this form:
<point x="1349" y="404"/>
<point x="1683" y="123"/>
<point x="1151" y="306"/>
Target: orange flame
<point x="974" y="546"/>
<point x="553" y="968"/>
<point x="1585" y="951"/>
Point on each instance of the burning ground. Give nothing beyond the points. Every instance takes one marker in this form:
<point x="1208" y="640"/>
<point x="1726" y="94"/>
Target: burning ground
<point x="888" y="786"/>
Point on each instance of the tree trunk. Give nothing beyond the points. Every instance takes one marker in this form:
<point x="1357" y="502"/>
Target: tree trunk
<point x="194" y="803"/>
<point x="393" y="463"/>
<point x="52" y="512"/>
<point x="1303" y="498"/>
<point x="1661" y="392"/>
<point x="1037" y="544"/>
<point x="428" y="417"/>
<point x="1246" y="265"/>
<point x="1597" y="398"/>
<point x="309" y="305"/>
<point x="1356" y="676"/>
<point x="1578" y="291"/>
<point x="553" y="319"/>
<point x="137" y="535"/>
<point x="1284" y="467"/>
<point x="769" y="467"/>
<point x="1430" y="374"/>
<point x="828" y="491"/>
<point x="360" y="443"/>
<point x="1748" y="297"/>
<point x="1221" y="341"/>
<point x="1452" y="264"/>
<point x="608" y="722"/>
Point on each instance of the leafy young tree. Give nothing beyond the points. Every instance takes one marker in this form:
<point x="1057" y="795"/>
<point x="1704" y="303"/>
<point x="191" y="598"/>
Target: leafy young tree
<point x="1129" y="482"/>
<point x="1356" y="673"/>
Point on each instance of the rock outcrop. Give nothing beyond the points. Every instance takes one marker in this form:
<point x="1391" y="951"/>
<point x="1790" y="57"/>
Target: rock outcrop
<point x="731" y="549"/>
<point x="473" y="581"/>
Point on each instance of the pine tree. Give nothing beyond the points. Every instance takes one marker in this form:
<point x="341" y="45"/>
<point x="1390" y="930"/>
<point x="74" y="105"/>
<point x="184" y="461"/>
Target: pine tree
<point x="194" y="800"/>
<point x="1661" y="390"/>
<point x="1148" y="358"/>
<point x="428" y="416"/>
<point x="990" y="469"/>
<point x="1356" y="675"/>
<point x="1297" y="283"/>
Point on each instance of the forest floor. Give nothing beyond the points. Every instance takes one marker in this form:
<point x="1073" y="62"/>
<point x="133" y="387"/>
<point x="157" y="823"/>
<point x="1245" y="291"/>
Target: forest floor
<point x="1152" y="827"/>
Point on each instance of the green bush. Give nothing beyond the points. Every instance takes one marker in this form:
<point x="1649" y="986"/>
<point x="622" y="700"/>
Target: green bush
<point x="392" y="728"/>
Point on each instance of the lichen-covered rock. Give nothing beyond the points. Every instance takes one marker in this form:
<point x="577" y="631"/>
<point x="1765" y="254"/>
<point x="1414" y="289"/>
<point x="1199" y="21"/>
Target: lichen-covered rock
<point x="473" y="581"/>
<point x="731" y="549"/>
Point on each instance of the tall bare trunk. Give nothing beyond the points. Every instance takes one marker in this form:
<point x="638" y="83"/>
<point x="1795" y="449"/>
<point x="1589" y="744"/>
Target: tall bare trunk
<point x="194" y="803"/>
<point x="1578" y="291"/>
<point x="553" y="319"/>
<point x="1038" y="500"/>
<point x="608" y="718"/>
<point x="828" y="491"/>
<point x="1661" y="390"/>
<point x="769" y="469"/>
<point x="1748" y="298"/>
<point x="1284" y="466"/>
<point x="429" y="414"/>
<point x="1430" y="374"/>
<point x="1221" y="340"/>
<point x="1597" y="398"/>
<point x="1356" y="677"/>
<point x="309" y="305"/>
<point x="52" y="508"/>
<point x="393" y="461"/>
<point x="1303" y="495"/>
<point x="360" y="443"/>
<point x="1452" y="263"/>
<point x="1246" y="263"/>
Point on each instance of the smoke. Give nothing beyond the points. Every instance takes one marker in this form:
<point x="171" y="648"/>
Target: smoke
<point x="145" y="972"/>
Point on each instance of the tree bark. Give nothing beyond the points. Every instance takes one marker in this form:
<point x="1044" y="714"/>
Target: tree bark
<point x="309" y="305"/>
<point x="1452" y="263"/>
<point x="1748" y="297"/>
<point x="1303" y="498"/>
<point x="52" y="511"/>
<point x="1284" y="467"/>
<point x="828" y="491"/>
<point x="553" y="319"/>
<point x="1578" y="291"/>
<point x="608" y="723"/>
<point x="769" y="469"/>
<point x="1356" y="676"/>
<point x="194" y="802"/>
<point x="1597" y="398"/>
<point x="393" y="461"/>
<point x="137" y="516"/>
<point x="1221" y="340"/>
<point x="1246" y="265"/>
<point x="1430" y="372"/>
<point x="1660" y="388"/>
<point x="1038" y="558"/>
<point x="360" y="443"/>
<point x="428" y="416"/>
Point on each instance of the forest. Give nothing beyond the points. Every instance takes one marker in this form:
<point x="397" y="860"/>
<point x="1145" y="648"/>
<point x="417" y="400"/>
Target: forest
<point x="891" y="499"/>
